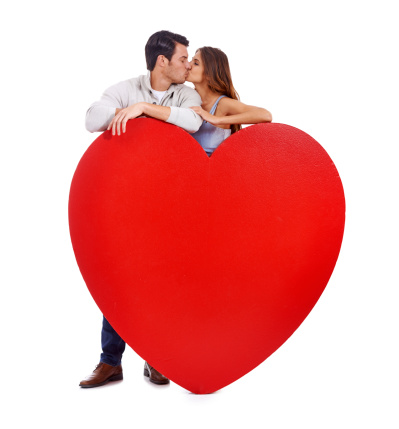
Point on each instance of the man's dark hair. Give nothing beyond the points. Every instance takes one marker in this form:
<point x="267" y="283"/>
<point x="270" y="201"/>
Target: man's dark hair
<point x="162" y="43"/>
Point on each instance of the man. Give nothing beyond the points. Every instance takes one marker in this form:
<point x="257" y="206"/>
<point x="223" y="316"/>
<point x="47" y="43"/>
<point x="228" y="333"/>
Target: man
<point x="160" y="95"/>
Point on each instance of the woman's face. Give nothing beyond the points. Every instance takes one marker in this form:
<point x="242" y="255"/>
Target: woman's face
<point x="196" y="74"/>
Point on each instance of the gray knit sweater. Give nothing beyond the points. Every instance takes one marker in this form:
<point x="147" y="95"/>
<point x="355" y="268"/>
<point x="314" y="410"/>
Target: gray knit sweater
<point x="178" y="97"/>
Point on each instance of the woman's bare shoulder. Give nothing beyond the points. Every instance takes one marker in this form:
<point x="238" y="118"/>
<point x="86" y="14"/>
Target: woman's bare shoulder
<point x="229" y="106"/>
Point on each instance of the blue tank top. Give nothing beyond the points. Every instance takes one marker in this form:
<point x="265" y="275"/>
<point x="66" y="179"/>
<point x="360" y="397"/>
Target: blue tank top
<point x="209" y="136"/>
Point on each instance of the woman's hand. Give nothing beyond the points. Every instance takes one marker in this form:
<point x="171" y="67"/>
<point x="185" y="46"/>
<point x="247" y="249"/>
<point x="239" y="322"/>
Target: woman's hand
<point x="206" y="116"/>
<point x="123" y="115"/>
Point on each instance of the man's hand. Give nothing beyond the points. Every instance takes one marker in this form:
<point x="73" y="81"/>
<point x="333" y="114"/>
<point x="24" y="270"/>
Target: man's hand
<point x="206" y="116"/>
<point x="123" y="115"/>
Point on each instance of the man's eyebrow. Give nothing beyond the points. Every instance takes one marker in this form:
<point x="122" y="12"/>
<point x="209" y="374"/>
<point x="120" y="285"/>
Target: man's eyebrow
<point x="183" y="56"/>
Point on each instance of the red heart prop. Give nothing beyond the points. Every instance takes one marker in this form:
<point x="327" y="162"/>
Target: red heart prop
<point x="205" y="266"/>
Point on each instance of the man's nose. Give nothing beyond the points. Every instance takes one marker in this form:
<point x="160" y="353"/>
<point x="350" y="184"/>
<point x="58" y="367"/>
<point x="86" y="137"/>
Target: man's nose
<point x="188" y="66"/>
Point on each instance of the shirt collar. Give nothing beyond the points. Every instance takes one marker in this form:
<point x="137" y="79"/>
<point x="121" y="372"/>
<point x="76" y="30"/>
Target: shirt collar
<point x="147" y="83"/>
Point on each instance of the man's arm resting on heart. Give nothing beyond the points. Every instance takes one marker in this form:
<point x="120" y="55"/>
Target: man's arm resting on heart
<point x="101" y="112"/>
<point x="118" y="123"/>
<point x="180" y="116"/>
<point x="101" y="117"/>
<point x="115" y="101"/>
<point x="183" y="117"/>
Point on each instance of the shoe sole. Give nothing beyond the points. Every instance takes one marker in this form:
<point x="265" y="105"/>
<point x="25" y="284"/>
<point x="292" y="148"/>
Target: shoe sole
<point x="113" y="378"/>
<point x="147" y="374"/>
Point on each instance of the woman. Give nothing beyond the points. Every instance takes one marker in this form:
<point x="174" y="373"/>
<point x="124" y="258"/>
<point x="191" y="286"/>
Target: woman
<point x="221" y="109"/>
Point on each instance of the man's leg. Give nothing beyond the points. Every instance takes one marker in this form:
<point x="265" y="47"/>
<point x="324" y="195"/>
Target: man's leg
<point x="112" y="345"/>
<point x="109" y="368"/>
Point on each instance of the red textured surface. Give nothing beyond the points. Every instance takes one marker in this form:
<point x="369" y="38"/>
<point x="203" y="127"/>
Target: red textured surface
<point x="205" y="266"/>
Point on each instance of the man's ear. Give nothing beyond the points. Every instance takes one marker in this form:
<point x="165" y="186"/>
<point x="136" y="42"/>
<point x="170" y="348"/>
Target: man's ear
<point x="162" y="61"/>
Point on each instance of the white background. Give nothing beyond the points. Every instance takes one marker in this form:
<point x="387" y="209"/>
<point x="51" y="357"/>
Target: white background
<point x="329" y="68"/>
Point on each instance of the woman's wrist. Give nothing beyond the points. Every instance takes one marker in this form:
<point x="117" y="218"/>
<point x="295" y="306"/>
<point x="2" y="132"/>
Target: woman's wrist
<point x="218" y="120"/>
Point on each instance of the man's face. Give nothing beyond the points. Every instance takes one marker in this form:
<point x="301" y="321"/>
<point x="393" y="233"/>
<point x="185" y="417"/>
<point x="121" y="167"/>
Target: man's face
<point x="178" y="67"/>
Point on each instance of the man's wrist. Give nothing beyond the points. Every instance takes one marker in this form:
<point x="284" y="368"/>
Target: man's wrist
<point x="144" y="108"/>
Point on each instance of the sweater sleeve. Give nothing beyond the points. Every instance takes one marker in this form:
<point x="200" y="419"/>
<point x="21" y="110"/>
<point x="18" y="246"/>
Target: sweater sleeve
<point x="101" y="112"/>
<point x="183" y="116"/>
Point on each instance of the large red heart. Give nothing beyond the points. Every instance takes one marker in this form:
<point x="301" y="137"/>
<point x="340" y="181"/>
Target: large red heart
<point x="205" y="266"/>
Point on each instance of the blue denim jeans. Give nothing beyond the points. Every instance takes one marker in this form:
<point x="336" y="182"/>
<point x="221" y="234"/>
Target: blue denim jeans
<point x="112" y="344"/>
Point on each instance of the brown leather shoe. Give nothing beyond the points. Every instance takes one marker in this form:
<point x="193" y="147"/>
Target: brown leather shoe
<point x="102" y="374"/>
<point x="155" y="376"/>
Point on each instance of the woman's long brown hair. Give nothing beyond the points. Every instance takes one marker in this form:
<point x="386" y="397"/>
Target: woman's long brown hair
<point x="217" y="71"/>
